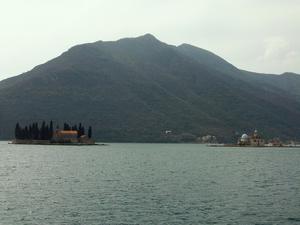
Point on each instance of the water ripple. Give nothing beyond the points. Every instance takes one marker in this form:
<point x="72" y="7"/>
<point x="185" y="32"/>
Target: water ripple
<point x="148" y="184"/>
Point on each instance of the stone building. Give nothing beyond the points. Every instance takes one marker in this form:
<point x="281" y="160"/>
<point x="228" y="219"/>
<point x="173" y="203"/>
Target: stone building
<point x="65" y="136"/>
<point x="254" y="140"/>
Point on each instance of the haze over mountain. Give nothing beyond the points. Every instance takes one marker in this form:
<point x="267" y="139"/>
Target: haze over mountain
<point x="136" y="88"/>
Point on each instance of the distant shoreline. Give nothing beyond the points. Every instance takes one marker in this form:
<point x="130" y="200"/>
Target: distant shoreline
<point x="48" y="142"/>
<point x="249" y="146"/>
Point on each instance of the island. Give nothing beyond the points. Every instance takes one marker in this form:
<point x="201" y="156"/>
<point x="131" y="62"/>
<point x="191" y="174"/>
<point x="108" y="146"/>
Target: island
<point x="45" y="134"/>
<point x="256" y="140"/>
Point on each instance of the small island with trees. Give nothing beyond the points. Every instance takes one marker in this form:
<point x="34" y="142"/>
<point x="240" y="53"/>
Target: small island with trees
<point x="45" y="134"/>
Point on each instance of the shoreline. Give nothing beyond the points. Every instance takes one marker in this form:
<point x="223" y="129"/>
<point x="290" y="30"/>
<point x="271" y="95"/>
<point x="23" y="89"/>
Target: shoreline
<point x="51" y="142"/>
<point x="249" y="146"/>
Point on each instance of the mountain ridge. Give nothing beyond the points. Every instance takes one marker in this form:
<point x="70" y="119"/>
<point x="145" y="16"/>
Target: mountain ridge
<point x="133" y="89"/>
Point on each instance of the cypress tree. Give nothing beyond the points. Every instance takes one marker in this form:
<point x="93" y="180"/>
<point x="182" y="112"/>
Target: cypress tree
<point x="82" y="131"/>
<point x="90" y="132"/>
<point x="22" y="133"/>
<point x="46" y="132"/>
<point x="17" y="131"/>
<point x="51" y="130"/>
<point x="36" y="131"/>
<point x="30" y="135"/>
<point x="67" y="126"/>
<point x="79" y="132"/>
<point x="26" y="133"/>
<point x="43" y="131"/>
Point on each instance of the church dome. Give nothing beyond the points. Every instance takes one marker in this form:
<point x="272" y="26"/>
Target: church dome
<point x="244" y="136"/>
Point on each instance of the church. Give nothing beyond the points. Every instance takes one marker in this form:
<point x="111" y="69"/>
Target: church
<point x="254" y="140"/>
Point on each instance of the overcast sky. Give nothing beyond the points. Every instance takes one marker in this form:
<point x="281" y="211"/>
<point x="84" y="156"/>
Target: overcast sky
<point x="256" y="35"/>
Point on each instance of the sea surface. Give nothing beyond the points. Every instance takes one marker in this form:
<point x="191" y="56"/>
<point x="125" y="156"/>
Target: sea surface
<point x="148" y="184"/>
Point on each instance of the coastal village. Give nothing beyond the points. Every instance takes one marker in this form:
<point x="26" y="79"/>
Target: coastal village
<point x="256" y="140"/>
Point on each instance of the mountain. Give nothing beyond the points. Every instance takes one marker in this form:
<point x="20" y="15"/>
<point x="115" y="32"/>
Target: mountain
<point x="134" y="89"/>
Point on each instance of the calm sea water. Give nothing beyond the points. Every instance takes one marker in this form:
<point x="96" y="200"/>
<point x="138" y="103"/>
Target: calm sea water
<point x="148" y="184"/>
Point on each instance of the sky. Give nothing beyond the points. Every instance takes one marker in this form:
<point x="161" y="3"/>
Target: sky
<point x="255" y="35"/>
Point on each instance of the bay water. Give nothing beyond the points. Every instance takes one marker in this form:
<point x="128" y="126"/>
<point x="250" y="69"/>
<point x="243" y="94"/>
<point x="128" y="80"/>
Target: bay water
<point x="148" y="184"/>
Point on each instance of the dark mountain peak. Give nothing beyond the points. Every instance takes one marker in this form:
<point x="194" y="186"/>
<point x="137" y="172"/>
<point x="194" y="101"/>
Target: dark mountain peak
<point x="148" y="37"/>
<point x="145" y="39"/>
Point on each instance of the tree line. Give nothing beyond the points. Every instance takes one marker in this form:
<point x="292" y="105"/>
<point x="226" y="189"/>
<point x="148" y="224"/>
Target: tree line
<point x="34" y="132"/>
<point x="45" y="131"/>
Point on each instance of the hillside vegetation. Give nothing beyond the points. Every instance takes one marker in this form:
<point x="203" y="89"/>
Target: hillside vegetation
<point x="134" y="89"/>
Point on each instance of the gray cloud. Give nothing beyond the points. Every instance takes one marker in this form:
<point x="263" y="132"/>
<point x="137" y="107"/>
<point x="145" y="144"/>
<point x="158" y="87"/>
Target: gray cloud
<point x="255" y="35"/>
